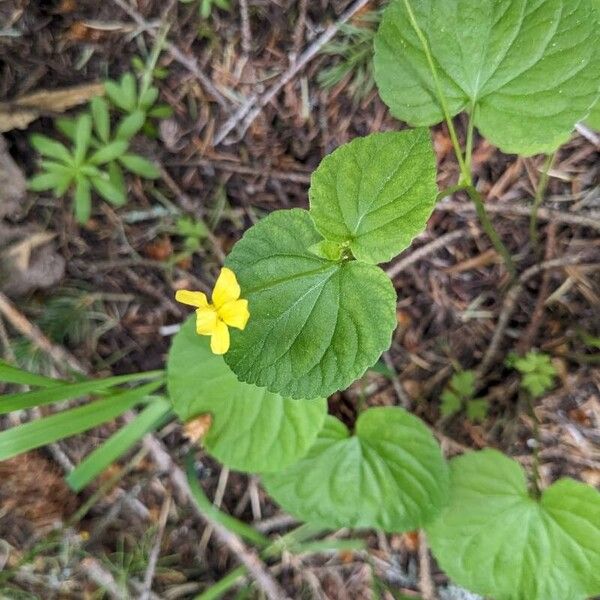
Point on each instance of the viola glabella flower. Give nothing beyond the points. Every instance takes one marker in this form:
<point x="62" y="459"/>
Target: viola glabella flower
<point x="226" y="310"/>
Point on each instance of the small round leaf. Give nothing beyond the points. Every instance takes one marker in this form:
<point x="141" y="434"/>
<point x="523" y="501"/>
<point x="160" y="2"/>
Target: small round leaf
<point x="375" y="193"/>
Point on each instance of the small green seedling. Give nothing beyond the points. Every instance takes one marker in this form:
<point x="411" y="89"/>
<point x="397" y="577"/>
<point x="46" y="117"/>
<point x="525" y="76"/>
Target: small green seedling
<point x="193" y="233"/>
<point x="79" y="168"/>
<point x="128" y="98"/>
<point x="140" y="67"/>
<point x="458" y="395"/>
<point x="537" y="371"/>
<point x="94" y="161"/>
<point x="125" y="96"/>
<point x="206" y="7"/>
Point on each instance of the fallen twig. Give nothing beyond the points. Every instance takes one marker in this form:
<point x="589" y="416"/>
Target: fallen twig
<point x="510" y="302"/>
<point x="246" y="556"/>
<point x="32" y="332"/>
<point x="588" y="134"/>
<point x="591" y="219"/>
<point x="426" y="585"/>
<point x="190" y="63"/>
<point x="155" y="552"/>
<point x="420" y="253"/>
<point x="246" y="113"/>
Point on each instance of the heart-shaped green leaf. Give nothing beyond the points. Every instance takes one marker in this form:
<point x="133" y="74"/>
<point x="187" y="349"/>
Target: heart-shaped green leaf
<point x="252" y="429"/>
<point x="496" y="540"/>
<point x="315" y="324"/>
<point x="390" y="474"/>
<point x="529" y="69"/>
<point x="375" y="193"/>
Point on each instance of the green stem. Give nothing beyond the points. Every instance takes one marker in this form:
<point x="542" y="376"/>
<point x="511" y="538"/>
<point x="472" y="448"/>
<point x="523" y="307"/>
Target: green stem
<point x="449" y="191"/>
<point x="539" y="197"/>
<point x="535" y="466"/>
<point x="217" y="590"/>
<point x="466" y="179"/>
<point x="491" y="232"/>
<point x="469" y="147"/>
<point x="148" y="73"/>
<point x="465" y="173"/>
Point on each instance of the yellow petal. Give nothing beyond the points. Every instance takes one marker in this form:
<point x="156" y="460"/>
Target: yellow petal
<point x="206" y="321"/>
<point x="226" y="289"/>
<point x="235" y="313"/>
<point x="219" y="342"/>
<point x="197" y="299"/>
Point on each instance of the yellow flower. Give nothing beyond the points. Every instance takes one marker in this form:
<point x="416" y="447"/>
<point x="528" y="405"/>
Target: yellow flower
<point x="226" y="310"/>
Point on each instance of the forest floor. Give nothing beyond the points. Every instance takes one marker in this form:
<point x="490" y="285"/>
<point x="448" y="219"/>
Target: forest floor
<point x="103" y="294"/>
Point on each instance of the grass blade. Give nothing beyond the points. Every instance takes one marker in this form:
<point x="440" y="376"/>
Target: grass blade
<point x="70" y="422"/>
<point x="119" y="443"/>
<point x="67" y="391"/>
<point x="11" y="374"/>
<point x="209" y="509"/>
<point x="217" y="590"/>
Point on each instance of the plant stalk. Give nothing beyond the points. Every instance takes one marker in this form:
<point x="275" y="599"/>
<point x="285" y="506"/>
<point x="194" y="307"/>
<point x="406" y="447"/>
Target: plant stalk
<point x="465" y="173"/>
<point x="491" y="232"/>
<point x="539" y="197"/>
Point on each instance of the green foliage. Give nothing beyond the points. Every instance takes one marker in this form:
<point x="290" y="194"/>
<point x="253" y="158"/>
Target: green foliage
<point x="73" y="168"/>
<point x="140" y="67"/>
<point x="70" y="422"/>
<point x="321" y="312"/>
<point x="92" y="161"/>
<point x="125" y="95"/>
<point x="206" y="7"/>
<point x="459" y="394"/>
<point x="60" y="391"/>
<point x="118" y="444"/>
<point x="375" y="193"/>
<point x="252" y="429"/>
<point x="477" y="409"/>
<point x="390" y="474"/>
<point x="589" y="340"/>
<point x="537" y="371"/>
<point x="192" y="231"/>
<point x="11" y="374"/>
<point x="496" y="540"/>
<point x="66" y="423"/>
<point x="353" y="49"/>
<point x="526" y="70"/>
<point x="315" y="324"/>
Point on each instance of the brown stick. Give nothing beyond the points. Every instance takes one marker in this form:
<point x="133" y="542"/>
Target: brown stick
<point x="246" y="556"/>
<point x="33" y="333"/>
<point x="591" y="219"/>
<point x="426" y="585"/>
<point x="190" y="63"/>
<point x="510" y="302"/>
<point x="247" y="113"/>
<point x="155" y="553"/>
<point x="419" y="253"/>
